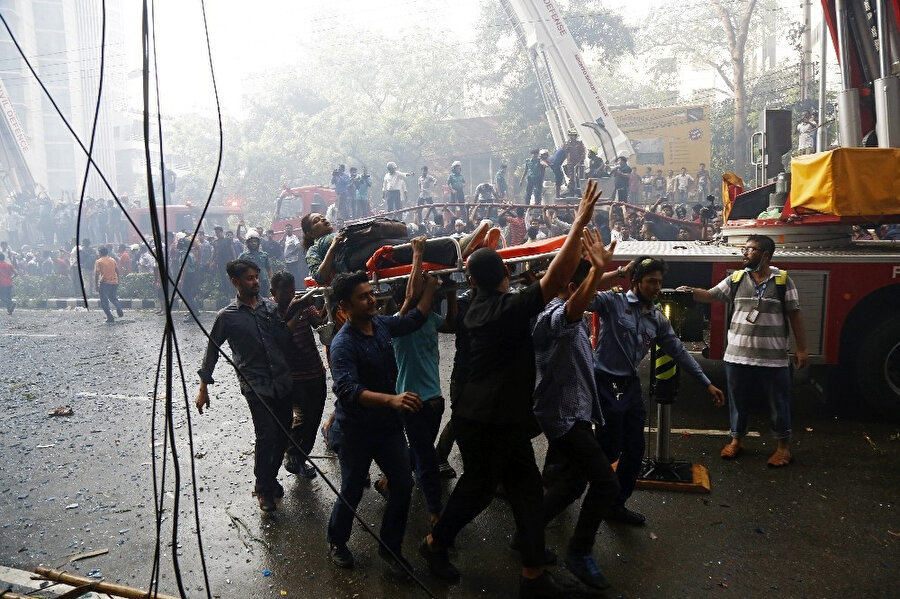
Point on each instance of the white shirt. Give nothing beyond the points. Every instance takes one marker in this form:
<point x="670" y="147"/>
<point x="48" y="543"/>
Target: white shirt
<point x="682" y="181"/>
<point x="806" y="137"/>
<point x="291" y="248"/>
<point x="426" y="183"/>
<point x="395" y="182"/>
<point x="332" y="214"/>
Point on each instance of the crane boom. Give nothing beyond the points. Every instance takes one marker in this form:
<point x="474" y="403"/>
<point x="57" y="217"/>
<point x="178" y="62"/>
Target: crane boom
<point x="571" y="98"/>
<point x="15" y="174"/>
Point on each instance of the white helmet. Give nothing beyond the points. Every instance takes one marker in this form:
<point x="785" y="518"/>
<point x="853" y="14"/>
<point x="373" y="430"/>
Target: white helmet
<point x="391" y="165"/>
<point x="456" y="163"/>
<point x="252" y="234"/>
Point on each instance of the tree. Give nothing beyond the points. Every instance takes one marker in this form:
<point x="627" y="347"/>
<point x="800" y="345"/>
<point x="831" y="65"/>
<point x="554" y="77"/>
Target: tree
<point x="360" y="99"/>
<point x="720" y="35"/>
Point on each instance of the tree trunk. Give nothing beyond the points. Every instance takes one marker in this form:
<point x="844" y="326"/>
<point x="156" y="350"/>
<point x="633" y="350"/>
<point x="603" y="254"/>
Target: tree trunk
<point x="741" y="139"/>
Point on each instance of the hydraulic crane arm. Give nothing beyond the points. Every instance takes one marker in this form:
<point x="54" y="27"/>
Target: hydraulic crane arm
<point x="571" y="98"/>
<point x="15" y="175"/>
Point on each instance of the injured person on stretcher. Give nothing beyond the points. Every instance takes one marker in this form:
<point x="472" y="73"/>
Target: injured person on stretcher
<point x="381" y="247"/>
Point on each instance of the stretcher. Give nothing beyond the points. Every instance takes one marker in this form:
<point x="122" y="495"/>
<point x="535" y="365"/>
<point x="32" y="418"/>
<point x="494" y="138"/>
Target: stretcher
<point x="514" y="257"/>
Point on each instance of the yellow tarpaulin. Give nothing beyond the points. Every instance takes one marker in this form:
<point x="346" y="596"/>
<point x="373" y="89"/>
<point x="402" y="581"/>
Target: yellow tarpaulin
<point x="732" y="185"/>
<point x="847" y="182"/>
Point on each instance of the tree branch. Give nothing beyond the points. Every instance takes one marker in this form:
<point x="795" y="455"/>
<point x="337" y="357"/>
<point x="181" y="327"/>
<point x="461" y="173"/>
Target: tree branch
<point x="721" y="71"/>
<point x="727" y="25"/>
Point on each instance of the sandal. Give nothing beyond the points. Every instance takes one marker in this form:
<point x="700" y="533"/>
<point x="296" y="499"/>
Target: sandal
<point x="781" y="458"/>
<point x="731" y="451"/>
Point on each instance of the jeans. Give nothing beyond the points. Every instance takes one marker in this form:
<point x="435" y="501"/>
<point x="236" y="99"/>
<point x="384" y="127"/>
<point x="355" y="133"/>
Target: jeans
<point x="747" y="384"/>
<point x="426" y="201"/>
<point x="575" y="173"/>
<point x="581" y="462"/>
<point x="107" y="295"/>
<point x="622" y="437"/>
<point x="345" y="206"/>
<point x="356" y="450"/>
<point x="392" y="201"/>
<point x="268" y="413"/>
<point x="421" y="430"/>
<point x="226" y="289"/>
<point x="308" y="402"/>
<point x="493" y="454"/>
<point x="535" y="188"/>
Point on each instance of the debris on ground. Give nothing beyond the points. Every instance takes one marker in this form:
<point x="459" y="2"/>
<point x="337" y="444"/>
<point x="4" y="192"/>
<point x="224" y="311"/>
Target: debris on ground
<point x="62" y="411"/>
<point x="87" y="554"/>
<point x="875" y="448"/>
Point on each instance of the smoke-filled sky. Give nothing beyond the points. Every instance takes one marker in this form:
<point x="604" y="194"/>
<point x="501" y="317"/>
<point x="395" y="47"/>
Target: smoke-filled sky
<point x="249" y="38"/>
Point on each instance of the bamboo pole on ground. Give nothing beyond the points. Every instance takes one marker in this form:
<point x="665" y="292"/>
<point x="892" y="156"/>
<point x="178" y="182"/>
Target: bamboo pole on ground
<point x="95" y="585"/>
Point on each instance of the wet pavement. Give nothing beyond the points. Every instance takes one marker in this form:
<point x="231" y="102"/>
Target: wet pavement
<point x="827" y="526"/>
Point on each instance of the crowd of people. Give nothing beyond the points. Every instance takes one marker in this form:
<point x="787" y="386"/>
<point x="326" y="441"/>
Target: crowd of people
<point x="523" y="366"/>
<point x="562" y="170"/>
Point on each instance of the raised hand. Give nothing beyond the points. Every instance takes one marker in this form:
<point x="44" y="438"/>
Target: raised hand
<point x="588" y="201"/>
<point x="597" y="253"/>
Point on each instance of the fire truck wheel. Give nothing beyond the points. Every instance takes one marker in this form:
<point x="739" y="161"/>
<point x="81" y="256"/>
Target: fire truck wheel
<point x="878" y="368"/>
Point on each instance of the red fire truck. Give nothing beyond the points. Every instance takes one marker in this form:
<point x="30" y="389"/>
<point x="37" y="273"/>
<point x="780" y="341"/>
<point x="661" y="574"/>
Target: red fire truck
<point x="295" y="202"/>
<point x="849" y="290"/>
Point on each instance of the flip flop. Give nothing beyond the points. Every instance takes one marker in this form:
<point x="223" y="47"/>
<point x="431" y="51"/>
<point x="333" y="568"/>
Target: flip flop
<point x="780" y="459"/>
<point x="474" y="241"/>
<point x="493" y="238"/>
<point x="730" y="451"/>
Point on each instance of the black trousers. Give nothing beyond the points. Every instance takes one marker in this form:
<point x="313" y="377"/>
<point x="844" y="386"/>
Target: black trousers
<point x="308" y="403"/>
<point x="270" y="439"/>
<point x="448" y="437"/>
<point x="581" y="462"/>
<point x="492" y="454"/>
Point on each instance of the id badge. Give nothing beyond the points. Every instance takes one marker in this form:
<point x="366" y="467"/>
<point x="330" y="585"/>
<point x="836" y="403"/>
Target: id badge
<point x="752" y="315"/>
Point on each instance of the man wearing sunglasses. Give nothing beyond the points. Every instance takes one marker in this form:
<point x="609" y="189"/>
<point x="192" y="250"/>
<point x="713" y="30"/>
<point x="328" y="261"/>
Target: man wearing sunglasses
<point x="762" y="301"/>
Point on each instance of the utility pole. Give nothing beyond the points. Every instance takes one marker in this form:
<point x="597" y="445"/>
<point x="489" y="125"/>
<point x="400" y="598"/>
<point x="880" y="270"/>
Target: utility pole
<point x="805" y="49"/>
<point x="822" y="132"/>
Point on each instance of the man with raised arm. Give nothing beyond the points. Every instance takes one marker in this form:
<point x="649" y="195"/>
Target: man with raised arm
<point x="566" y="404"/>
<point x="493" y="418"/>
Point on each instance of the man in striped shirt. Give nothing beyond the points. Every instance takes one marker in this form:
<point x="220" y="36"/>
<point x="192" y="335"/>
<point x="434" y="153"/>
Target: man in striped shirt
<point x="763" y="299"/>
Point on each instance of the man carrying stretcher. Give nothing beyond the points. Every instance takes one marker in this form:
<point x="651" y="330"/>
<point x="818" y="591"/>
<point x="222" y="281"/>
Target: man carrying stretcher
<point x="493" y="417"/>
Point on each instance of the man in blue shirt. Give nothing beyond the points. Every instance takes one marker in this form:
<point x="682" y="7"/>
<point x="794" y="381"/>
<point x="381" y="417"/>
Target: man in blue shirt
<point x="556" y="162"/>
<point x="631" y="323"/>
<point x="533" y="172"/>
<point x="341" y="181"/>
<point x="457" y="183"/>
<point x="565" y="403"/>
<point x="368" y="412"/>
<point x="500" y="183"/>
<point x="418" y="360"/>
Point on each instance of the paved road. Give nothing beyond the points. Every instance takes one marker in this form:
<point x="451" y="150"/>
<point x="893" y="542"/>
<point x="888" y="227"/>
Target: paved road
<point x="828" y="526"/>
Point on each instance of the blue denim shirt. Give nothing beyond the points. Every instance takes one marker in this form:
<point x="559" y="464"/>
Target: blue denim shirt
<point x="361" y="362"/>
<point x="627" y="333"/>
<point x="565" y="391"/>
